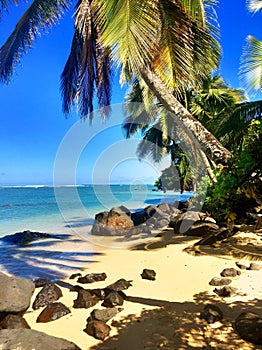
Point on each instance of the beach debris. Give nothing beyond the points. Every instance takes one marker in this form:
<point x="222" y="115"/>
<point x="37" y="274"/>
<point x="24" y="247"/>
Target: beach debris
<point x="104" y="314"/>
<point x="220" y="281"/>
<point x="97" y="329"/>
<point x="16" y="293"/>
<point x="230" y="272"/>
<point x="13" y="322"/>
<point x="48" y="294"/>
<point x="211" y="313"/>
<point x="92" y="277"/>
<point x="241" y="266"/>
<point x="85" y="299"/>
<point x="119" y="285"/>
<point x="25" y="237"/>
<point x="148" y="274"/>
<point x="41" y="282"/>
<point x="113" y="299"/>
<point x="225" y="291"/>
<point x="52" y="312"/>
<point x="255" y="266"/>
<point x="75" y="275"/>
<point x="249" y="327"/>
<point x="31" y="339"/>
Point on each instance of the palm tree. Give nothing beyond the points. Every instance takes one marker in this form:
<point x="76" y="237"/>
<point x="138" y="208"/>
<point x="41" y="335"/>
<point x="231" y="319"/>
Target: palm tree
<point x="167" y="44"/>
<point x="251" y="60"/>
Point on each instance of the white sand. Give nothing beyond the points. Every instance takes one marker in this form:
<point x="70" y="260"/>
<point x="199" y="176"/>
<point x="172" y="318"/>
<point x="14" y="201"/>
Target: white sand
<point x="162" y="314"/>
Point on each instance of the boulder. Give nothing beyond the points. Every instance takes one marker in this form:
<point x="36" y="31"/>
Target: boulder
<point x="25" y="237"/>
<point x="113" y="299"/>
<point x="85" y="299"/>
<point x="16" y="293"/>
<point x="52" y="312"/>
<point x="211" y="313"/>
<point x="105" y="314"/>
<point x="230" y="272"/>
<point x="202" y="229"/>
<point x="255" y="266"/>
<point x="220" y="235"/>
<point x="13" y="322"/>
<point x="148" y="274"/>
<point x="48" y="294"/>
<point x="225" y="291"/>
<point x="220" y="281"/>
<point x="119" y="220"/>
<point x="139" y="217"/>
<point x="165" y="208"/>
<point x="92" y="277"/>
<point x="28" y="339"/>
<point x="249" y="327"/>
<point x="119" y="285"/>
<point x="121" y="210"/>
<point x="97" y="329"/>
<point x="182" y="222"/>
<point x="41" y="282"/>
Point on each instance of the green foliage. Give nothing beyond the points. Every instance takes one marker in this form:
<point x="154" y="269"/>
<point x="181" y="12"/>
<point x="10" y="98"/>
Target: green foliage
<point x="236" y="183"/>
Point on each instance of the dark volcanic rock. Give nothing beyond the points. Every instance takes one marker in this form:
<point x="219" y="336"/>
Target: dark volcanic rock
<point x="48" y="294"/>
<point x="52" y="312"/>
<point x="75" y="288"/>
<point x="148" y="274"/>
<point x="139" y="217"/>
<point x="202" y="229"/>
<point x="121" y="284"/>
<point x="97" y="329"/>
<point x="28" y="339"/>
<point x="121" y="210"/>
<point x="230" y="272"/>
<point x="25" y="237"/>
<point x="92" y="277"/>
<point x="105" y="314"/>
<point x="249" y="326"/>
<point x="99" y="292"/>
<point x="220" y="235"/>
<point x="241" y="266"/>
<point x="13" y="322"/>
<point x="41" y="282"/>
<point x="255" y="266"/>
<point x="113" y="299"/>
<point x="211" y="314"/>
<point x="218" y="281"/>
<point x="85" y="299"/>
<point x="15" y="294"/>
<point x="182" y="222"/>
<point x="225" y="291"/>
<point x="75" y="275"/>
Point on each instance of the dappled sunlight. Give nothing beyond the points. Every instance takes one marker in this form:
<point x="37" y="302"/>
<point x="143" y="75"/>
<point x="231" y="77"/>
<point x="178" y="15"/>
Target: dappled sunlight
<point x="174" y="325"/>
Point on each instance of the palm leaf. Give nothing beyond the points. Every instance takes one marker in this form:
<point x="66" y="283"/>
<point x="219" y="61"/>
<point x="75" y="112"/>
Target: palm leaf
<point x="251" y="64"/>
<point x="254" y="5"/>
<point x="4" y="5"/>
<point x="40" y="15"/>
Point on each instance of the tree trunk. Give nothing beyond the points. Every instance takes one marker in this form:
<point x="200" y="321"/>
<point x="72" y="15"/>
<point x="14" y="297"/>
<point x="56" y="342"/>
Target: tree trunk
<point x="208" y="143"/>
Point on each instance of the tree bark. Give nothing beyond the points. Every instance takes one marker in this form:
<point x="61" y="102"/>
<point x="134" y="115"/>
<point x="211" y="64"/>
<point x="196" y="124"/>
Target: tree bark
<point x="208" y="143"/>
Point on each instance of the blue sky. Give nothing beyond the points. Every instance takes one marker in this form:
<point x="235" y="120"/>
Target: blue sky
<point x="32" y="124"/>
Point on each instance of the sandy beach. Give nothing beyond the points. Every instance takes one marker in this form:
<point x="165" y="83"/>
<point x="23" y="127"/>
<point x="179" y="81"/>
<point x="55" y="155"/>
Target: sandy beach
<point x="164" y="314"/>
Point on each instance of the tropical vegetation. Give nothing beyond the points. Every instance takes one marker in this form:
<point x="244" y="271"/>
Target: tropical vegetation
<point x="166" y="51"/>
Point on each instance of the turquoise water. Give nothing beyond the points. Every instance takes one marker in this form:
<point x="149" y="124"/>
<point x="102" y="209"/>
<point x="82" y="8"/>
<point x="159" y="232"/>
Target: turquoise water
<point x="67" y="208"/>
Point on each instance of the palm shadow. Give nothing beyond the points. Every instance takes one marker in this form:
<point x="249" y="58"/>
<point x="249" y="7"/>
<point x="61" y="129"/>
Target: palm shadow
<point x="177" y="325"/>
<point x="48" y="258"/>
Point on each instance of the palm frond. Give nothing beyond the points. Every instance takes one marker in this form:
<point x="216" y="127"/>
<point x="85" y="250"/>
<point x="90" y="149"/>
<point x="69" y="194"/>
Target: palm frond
<point x="152" y="144"/>
<point x="4" y="5"/>
<point x="254" y="5"/>
<point x="251" y="64"/>
<point x="123" y="29"/>
<point x="40" y="15"/>
<point x="89" y="66"/>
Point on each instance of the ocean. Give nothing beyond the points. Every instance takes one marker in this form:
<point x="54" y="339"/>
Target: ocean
<point x="67" y="212"/>
<point x="59" y="209"/>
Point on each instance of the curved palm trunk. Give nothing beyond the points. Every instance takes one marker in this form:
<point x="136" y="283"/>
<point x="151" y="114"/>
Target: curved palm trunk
<point x="209" y="144"/>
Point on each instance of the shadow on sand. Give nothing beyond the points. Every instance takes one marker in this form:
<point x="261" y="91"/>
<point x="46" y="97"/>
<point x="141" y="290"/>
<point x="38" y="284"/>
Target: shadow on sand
<point x="177" y="326"/>
<point x="51" y="258"/>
